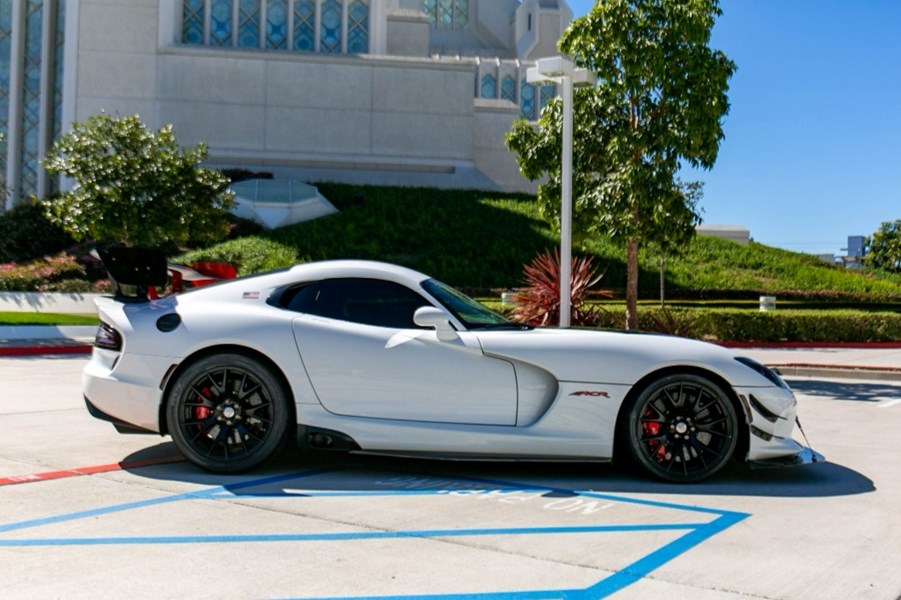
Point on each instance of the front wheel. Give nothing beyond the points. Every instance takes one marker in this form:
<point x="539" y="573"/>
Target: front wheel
<point x="682" y="428"/>
<point x="228" y="413"/>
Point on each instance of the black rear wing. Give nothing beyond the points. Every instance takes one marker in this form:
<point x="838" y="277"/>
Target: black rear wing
<point x="137" y="269"/>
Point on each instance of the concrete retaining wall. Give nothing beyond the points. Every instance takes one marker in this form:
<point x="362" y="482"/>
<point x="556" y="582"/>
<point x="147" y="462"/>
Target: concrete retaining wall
<point x="49" y="302"/>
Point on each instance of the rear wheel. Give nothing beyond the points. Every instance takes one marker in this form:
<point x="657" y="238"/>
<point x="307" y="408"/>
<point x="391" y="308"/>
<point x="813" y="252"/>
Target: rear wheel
<point x="228" y="413"/>
<point x="682" y="428"/>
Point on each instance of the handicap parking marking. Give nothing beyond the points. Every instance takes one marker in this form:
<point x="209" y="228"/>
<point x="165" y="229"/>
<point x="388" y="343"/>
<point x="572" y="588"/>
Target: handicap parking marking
<point x="509" y="513"/>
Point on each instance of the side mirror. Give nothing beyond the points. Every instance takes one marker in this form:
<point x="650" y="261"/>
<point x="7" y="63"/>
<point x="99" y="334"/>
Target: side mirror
<point x="429" y="316"/>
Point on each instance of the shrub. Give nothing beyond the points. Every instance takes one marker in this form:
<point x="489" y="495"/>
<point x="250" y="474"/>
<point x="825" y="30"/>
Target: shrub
<point x="135" y="186"/>
<point x="249" y="255"/>
<point x="539" y="303"/>
<point x="26" y="234"/>
<point x="50" y="274"/>
<point x="736" y="325"/>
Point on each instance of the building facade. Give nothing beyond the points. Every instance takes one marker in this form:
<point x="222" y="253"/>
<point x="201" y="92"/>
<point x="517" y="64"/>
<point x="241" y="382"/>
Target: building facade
<point x="406" y="92"/>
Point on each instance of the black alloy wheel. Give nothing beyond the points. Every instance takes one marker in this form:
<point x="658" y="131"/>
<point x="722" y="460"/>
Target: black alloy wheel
<point x="228" y="413"/>
<point x="682" y="428"/>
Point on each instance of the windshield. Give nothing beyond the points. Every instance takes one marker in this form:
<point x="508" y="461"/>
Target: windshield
<point x="470" y="312"/>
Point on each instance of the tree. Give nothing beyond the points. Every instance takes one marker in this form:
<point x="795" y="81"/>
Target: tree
<point x="658" y="106"/>
<point x="135" y="186"/>
<point x="883" y="248"/>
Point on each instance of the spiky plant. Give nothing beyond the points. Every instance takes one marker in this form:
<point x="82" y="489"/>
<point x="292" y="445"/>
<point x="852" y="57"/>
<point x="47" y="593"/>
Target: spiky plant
<point x="539" y="303"/>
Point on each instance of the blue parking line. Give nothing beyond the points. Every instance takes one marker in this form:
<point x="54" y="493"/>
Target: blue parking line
<point x="695" y="533"/>
<point x="209" y="493"/>
<point x="330" y="537"/>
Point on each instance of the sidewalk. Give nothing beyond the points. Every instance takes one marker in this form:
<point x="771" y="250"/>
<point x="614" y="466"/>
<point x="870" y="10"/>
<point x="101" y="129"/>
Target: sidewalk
<point x="843" y="362"/>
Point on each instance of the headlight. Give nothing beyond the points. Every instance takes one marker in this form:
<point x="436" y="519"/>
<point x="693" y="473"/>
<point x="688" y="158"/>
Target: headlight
<point x="762" y="370"/>
<point x="107" y="337"/>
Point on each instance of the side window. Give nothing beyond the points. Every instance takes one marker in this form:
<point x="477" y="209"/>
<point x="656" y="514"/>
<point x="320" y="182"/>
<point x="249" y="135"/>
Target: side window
<point x="366" y="301"/>
<point x="301" y="298"/>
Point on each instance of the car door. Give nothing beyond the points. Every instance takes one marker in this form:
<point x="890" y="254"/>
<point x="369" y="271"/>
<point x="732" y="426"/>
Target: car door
<point x="366" y="358"/>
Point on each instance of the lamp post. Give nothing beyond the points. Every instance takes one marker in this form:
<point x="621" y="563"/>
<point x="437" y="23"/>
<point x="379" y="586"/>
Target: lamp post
<point x="561" y="70"/>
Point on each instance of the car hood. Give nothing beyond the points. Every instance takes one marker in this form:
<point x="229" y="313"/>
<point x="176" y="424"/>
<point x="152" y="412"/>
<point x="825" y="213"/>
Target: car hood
<point x="613" y="357"/>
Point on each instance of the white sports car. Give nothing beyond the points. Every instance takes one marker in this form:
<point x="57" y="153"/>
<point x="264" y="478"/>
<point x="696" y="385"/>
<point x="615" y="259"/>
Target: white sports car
<point x="375" y="358"/>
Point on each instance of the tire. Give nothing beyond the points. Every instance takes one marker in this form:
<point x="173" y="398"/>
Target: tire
<point x="682" y="428"/>
<point x="228" y="413"/>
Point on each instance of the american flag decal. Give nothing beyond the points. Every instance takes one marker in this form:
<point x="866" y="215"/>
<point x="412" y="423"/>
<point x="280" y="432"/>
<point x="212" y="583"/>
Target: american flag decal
<point x="251" y="295"/>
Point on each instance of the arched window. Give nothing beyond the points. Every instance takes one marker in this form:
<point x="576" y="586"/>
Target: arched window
<point x="304" y="25"/>
<point x="489" y="87"/>
<point x="508" y="89"/>
<point x="358" y="27"/>
<point x="330" y="30"/>
<point x="447" y="14"/>
<point x="527" y="100"/>
<point x="277" y="24"/>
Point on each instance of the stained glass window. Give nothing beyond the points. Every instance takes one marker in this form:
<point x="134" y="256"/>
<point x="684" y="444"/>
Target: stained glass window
<point x="291" y="24"/>
<point x="6" y="7"/>
<point x="447" y="14"/>
<point x="547" y="94"/>
<point x="304" y="25"/>
<point x="358" y="27"/>
<point x="221" y="23"/>
<point x="330" y="32"/>
<point x="31" y="97"/>
<point x="527" y="100"/>
<point x="489" y="86"/>
<point x="249" y="23"/>
<point x="192" y="21"/>
<point x="508" y="89"/>
<point x="461" y="13"/>
<point x="59" y="43"/>
<point x="277" y="24"/>
<point x="430" y="7"/>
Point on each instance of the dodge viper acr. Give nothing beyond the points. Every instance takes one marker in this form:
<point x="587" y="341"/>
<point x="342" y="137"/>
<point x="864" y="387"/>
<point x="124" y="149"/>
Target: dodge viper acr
<point x="375" y="358"/>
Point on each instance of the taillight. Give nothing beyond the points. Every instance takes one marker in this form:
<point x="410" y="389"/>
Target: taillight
<point x="107" y="337"/>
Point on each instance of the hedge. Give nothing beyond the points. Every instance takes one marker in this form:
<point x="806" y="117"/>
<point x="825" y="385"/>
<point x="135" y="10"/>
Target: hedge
<point x="755" y="326"/>
<point x="249" y="255"/>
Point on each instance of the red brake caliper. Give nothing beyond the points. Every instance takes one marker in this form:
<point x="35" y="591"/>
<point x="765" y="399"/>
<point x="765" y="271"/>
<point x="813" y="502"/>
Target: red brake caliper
<point x="202" y="412"/>
<point x="652" y="429"/>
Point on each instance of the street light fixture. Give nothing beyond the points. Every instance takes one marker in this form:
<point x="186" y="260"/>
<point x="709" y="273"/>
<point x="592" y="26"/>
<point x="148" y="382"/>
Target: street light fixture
<point x="561" y="70"/>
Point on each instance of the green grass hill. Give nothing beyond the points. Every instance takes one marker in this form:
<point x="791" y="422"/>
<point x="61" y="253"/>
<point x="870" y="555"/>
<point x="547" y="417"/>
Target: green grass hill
<point x="480" y="240"/>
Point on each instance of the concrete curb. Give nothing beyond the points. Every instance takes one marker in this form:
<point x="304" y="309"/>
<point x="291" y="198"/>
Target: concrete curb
<point x="838" y="371"/>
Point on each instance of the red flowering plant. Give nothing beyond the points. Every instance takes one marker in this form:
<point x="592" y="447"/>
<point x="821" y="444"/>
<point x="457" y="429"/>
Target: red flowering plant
<point x="52" y="273"/>
<point x="539" y="303"/>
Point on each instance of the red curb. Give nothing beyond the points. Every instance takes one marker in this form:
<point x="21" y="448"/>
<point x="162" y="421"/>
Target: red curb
<point x="81" y="471"/>
<point x="41" y="350"/>
<point x="863" y="368"/>
<point x="788" y="345"/>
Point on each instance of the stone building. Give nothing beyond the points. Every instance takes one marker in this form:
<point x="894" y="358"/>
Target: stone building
<point x="408" y="92"/>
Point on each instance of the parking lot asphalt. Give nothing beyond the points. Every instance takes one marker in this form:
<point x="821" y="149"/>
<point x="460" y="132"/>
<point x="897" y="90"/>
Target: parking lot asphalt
<point x="88" y="513"/>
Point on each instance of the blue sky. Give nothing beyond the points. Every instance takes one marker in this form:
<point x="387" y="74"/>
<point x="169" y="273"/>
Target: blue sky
<point x="812" y="152"/>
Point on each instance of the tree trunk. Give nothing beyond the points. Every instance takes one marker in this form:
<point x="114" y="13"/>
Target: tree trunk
<point x="632" y="284"/>
<point x="662" y="280"/>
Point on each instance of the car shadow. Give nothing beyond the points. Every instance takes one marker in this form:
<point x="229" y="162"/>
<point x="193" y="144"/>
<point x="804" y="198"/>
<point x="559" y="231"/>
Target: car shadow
<point x="845" y="391"/>
<point x="339" y="472"/>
